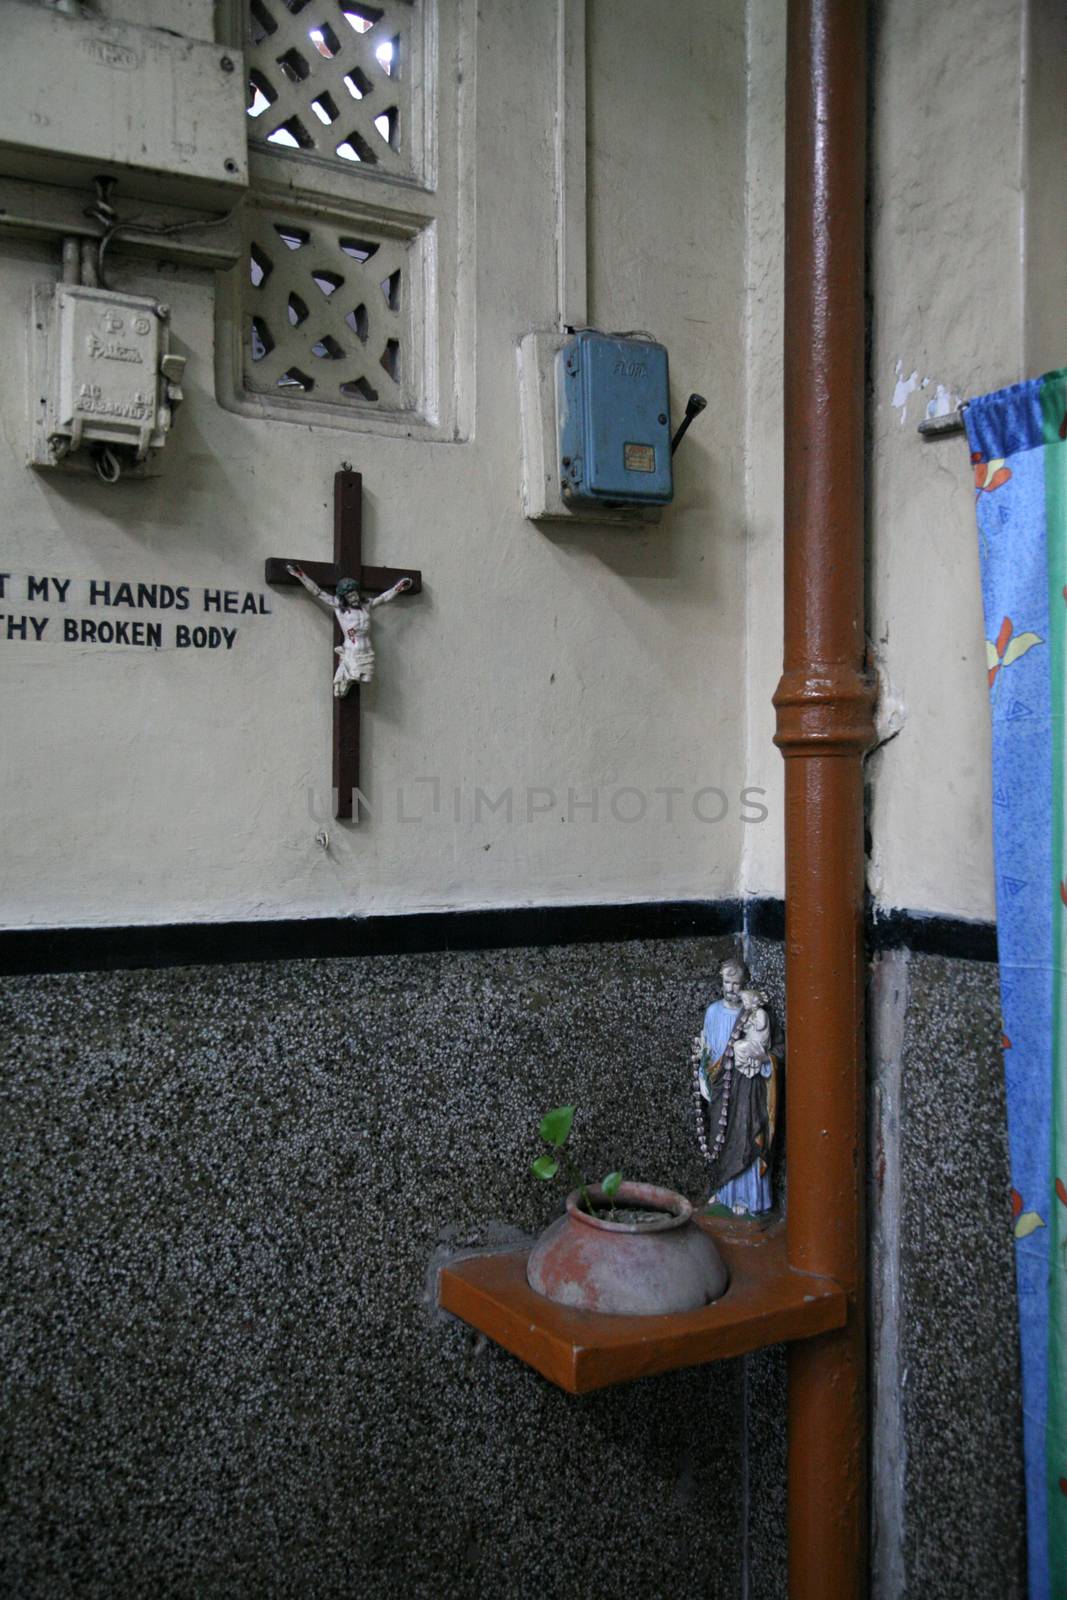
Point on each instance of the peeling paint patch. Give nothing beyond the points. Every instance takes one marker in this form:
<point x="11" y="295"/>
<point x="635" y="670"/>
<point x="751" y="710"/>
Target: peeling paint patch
<point x="905" y="388"/>
<point x="890" y="712"/>
<point x="945" y="401"/>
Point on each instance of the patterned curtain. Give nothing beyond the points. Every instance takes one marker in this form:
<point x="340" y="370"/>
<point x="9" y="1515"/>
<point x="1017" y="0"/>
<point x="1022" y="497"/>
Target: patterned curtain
<point x="1018" y="439"/>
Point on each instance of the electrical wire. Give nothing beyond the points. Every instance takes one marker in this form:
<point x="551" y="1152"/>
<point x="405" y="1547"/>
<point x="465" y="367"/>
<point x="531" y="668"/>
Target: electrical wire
<point x="106" y="461"/>
<point x="107" y="464"/>
<point x="629" y="333"/>
<point x="104" y="212"/>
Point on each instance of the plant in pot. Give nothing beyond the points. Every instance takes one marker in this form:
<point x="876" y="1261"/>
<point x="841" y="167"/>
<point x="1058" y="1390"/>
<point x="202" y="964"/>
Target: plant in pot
<point x="625" y="1248"/>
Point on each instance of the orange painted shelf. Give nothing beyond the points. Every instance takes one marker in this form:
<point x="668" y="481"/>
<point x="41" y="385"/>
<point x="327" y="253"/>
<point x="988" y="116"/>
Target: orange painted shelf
<point x="767" y="1302"/>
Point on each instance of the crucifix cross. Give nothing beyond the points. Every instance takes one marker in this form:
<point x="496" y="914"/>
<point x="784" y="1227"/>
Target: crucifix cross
<point x="347" y="563"/>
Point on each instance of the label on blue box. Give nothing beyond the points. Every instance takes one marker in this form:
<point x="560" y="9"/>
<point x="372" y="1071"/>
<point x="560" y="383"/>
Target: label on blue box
<point x="639" y="457"/>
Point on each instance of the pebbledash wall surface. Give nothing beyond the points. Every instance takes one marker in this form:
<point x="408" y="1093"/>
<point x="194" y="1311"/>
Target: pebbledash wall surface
<point x="226" y="1181"/>
<point x="226" y="1189"/>
<point x="227" y="1374"/>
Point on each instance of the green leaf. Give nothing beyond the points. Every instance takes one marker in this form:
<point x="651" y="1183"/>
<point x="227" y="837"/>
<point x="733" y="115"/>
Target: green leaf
<point x="544" y="1167"/>
<point x="1028" y="1223"/>
<point x="611" y="1183"/>
<point x="555" y="1125"/>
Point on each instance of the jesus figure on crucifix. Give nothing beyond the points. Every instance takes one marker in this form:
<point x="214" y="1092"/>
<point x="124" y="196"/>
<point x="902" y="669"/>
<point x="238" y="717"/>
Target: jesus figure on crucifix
<point x="356" y="654"/>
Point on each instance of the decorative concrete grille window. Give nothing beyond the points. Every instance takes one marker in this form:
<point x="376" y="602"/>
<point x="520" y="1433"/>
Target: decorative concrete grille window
<point x="349" y="307"/>
<point x="326" y="311"/>
<point x="346" y="83"/>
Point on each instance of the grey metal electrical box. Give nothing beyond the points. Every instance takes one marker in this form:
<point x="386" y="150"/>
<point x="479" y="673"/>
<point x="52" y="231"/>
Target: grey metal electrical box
<point x="163" y="113"/>
<point x="102" y="375"/>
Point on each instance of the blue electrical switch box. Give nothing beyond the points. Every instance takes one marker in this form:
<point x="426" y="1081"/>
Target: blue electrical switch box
<point x="614" y="421"/>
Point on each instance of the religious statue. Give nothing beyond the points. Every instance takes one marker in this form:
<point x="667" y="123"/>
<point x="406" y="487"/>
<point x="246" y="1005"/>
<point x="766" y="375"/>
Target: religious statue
<point x="735" y="1087"/>
<point x="356" y="653"/>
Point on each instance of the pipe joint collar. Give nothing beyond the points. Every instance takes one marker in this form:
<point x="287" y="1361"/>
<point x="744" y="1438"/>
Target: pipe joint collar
<point x="825" y="710"/>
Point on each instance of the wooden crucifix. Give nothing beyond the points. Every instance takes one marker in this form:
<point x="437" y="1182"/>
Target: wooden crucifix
<point x="353" y="661"/>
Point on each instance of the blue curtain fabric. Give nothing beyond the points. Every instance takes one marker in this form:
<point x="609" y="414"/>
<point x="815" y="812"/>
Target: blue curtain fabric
<point x="1018" y="439"/>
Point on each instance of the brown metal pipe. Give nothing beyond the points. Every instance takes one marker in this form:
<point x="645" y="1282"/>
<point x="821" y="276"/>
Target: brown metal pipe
<point x="825" y="725"/>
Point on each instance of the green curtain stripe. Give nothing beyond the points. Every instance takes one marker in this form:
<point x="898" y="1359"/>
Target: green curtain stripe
<point x="1054" y="417"/>
<point x="1053" y="409"/>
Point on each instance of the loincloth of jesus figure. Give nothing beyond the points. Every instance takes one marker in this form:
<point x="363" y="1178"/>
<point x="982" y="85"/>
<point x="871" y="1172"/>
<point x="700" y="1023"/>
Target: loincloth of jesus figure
<point x="355" y="663"/>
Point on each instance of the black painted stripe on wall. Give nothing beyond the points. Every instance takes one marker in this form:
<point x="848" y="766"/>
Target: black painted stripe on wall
<point x="923" y="932"/>
<point x="39" y="950"/>
<point x="930" y="935"/>
<point x="193" y="944"/>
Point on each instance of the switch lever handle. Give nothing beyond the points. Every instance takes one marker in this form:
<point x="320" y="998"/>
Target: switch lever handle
<point x="693" y="407"/>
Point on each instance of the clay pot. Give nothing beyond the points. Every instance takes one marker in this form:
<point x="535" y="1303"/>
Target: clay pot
<point x="628" y="1268"/>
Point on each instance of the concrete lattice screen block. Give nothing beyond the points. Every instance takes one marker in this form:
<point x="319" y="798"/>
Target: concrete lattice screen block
<point x="339" y="87"/>
<point x="325" y="311"/>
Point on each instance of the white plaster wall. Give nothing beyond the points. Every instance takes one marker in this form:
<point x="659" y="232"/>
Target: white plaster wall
<point x="948" y="298"/>
<point x="1045" y="66"/>
<point x="763" y="866"/>
<point x="140" y="787"/>
<point x="195" y="18"/>
<point x="965" y="221"/>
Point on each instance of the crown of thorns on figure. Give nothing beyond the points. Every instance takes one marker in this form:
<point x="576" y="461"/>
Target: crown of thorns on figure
<point x="346" y="586"/>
